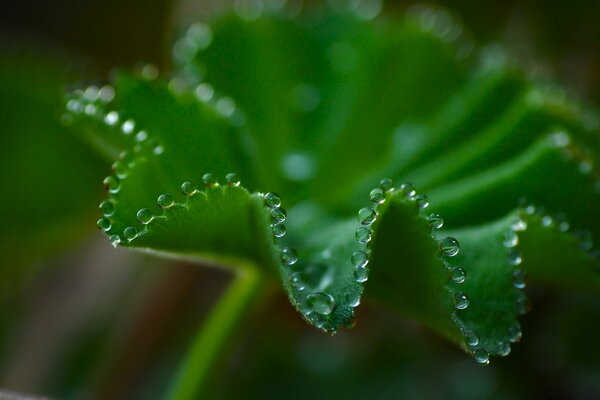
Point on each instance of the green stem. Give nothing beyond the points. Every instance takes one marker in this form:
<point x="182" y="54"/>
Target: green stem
<point x="215" y="335"/>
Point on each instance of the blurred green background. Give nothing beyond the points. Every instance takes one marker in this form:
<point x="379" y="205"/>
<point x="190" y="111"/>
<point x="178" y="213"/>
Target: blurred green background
<point x="81" y="320"/>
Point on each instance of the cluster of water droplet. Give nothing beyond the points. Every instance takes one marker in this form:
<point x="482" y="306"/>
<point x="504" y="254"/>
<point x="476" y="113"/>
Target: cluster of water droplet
<point x="165" y="202"/>
<point x="584" y="159"/>
<point x="309" y="279"/>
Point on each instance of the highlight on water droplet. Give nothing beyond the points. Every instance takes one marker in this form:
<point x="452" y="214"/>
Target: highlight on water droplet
<point x="361" y="274"/>
<point x="112" y="118"/>
<point x="188" y="188"/>
<point x="366" y="216"/>
<point x="209" y="180"/>
<point x="511" y="239"/>
<point x="232" y="179"/>
<point x="145" y="216"/>
<point x="363" y="235"/>
<point x="289" y="256"/>
<point x="278" y="230"/>
<point x="112" y="184"/>
<point x="130" y="233"/>
<point x="408" y="190"/>
<point x="115" y="240"/>
<point x="272" y="200"/>
<point x="377" y="196"/>
<point x="461" y="301"/>
<point x="359" y="259"/>
<point x="514" y="332"/>
<point x="104" y="224"/>
<point x="471" y="338"/>
<point x="435" y="221"/>
<point x="503" y="349"/>
<point x="128" y="127"/>
<point x="514" y="257"/>
<point x="386" y="184"/>
<point x="482" y="356"/>
<point x="449" y="246"/>
<point x="165" y="200"/>
<point x="458" y="275"/>
<point x="278" y="214"/>
<point x="519" y="279"/>
<point x="422" y="200"/>
<point x="320" y="303"/>
<point x="107" y="207"/>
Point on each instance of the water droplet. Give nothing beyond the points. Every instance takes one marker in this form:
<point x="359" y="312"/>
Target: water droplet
<point x="297" y="282"/>
<point x="471" y="338"/>
<point x="165" y="200"/>
<point x="503" y="349"/>
<point x="514" y="257"/>
<point x="320" y="303"/>
<point x="128" y="127"/>
<point x="225" y="106"/>
<point x="112" y="184"/>
<point x="519" y="279"/>
<point x="361" y="274"/>
<point x="511" y="239"/>
<point x="422" y="200"/>
<point x="354" y="296"/>
<point x="278" y="230"/>
<point x="204" y="92"/>
<point x="90" y="109"/>
<point x="314" y="276"/>
<point x="530" y="210"/>
<point x="289" y="256"/>
<point x="278" y="214"/>
<point x="547" y="221"/>
<point x="366" y="216"/>
<point x="359" y="259"/>
<point x="272" y="200"/>
<point x="514" y="332"/>
<point x="458" y="274"/>
<point x="377" y="196"/>
<point x="408" y="190"/>
<point x="435" y="221"/>
<point x="519" y="226"/>
<point x="209" y="180"/>
<point x="130" y="233"/>
<point x="141" y="136"/>
<point x="523" y="303"/>
<point x="188" y="188"/>
<point x="106" y="94"/>
<point x="158" y="150"/>
<point x="449" y="246"/>
<point x="363" y="235"/>
<point x="461" y="301"/>
<point x="107" y="207"/>
<point x="104" y="224"/>
<point x="120" y="169"/>
<point x="91" y="93"/>
<point x="115" y="240"/>
<point x="144" y="216"/>
<point x="386" y="185"/>
<point x="482" y="356"/>
<point x="232" y="179"/>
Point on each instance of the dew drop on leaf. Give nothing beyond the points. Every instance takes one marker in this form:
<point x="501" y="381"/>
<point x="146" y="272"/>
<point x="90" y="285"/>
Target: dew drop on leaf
<point x="363" y="235"/>
<point x="359" y="259"/>
<point x="449" y="246"/>
<point x="320" y="303"/>
<point x="366" y="216"/>
<point x="461" y="301"/>
<point x="435" y="221"/>
<point x="165" y="200"/>
<point x="145" y="216"/>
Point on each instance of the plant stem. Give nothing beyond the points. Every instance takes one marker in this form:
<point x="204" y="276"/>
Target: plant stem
<point x="215" y="335"/>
